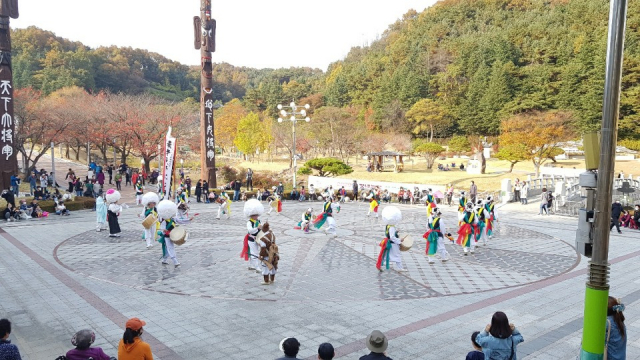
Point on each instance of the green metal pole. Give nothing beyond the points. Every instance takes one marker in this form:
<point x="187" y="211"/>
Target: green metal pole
<point x="597" y="292"/>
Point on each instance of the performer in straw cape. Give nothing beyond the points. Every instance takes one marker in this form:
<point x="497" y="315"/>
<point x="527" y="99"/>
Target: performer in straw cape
<point x="269" y="256"/>
<point x="305" y="223"/>
<point x="149" y="200"/>
<point x="101" y="214"/>
<point x="483" y="216"/>
<point x="167" y="209"/>
<point x="466" y="231"/>
<point x="327" y="216"/>
<point x="491" y="210"/>
<point x="430" y="202"/>
<point x="139" y="192"/>
<point x="224" y="204"/>
<point x="113" y="211"/>
<point x="435" y="237"/>
<point x="390" y="245"/>
<point x="275" y="202"/>
<point x="251" y="251"/>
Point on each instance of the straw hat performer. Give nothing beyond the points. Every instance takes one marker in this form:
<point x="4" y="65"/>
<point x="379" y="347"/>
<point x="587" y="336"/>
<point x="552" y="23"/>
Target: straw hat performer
<point x="253" y="208"/>
<point x="149" y="200"/>
<point x="306" y="221"/>
<point x="390" y="245"/>
<point x="139" y="191"/>
<point x="167" y="209"/>
<point x="113" y="211"/>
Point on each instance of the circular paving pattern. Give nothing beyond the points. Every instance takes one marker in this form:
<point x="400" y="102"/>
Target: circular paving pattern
<point x="314" y="266"/>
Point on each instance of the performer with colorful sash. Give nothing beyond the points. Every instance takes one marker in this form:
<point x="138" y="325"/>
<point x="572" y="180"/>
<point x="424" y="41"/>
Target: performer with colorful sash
<point x="490" y="207"/>
<point x="306" y="221"/>
<point x="435" y="237"/>
<point x="483" y="216"/>
<point x="149" y="200"/>
<point x="275" y="202"/>
<point x="390" y="245"/>
<point x="253" y="208"/>
<point x="139" y="192"/>
<point x="181" y="197"/>
<point x="430" y="202"/>
<point x="167" y="209"/>
<point x="224" y="204"/>
<point x="327" y="216"/>
<point x="466" y="231"/>
<point x="373" y="204"/>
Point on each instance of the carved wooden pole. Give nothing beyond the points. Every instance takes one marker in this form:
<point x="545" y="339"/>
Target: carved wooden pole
<point x="205" y="41"/>
<point x="8" y="153"/>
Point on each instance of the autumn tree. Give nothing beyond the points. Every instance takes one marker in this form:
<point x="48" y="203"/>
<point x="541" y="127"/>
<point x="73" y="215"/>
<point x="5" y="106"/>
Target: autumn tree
<point x="539" y="132"/>
<point x="459" y="144"/>
<point x="513" y="153"/>
<point x="429" y="150"/>
<point x="251" y="136"/>
<point x="428" y="117"/>
<point x="226" y="123"/>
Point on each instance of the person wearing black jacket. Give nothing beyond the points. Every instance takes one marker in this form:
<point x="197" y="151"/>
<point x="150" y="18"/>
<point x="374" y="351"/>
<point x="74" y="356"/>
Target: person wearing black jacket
<point x="616" y="211"/>
<point x="636" y="216"/>
<point x="198" y="190"/>
<point x="355" y="190"/>
<point x="9" y="197"/>
<point x="236" y="190"/>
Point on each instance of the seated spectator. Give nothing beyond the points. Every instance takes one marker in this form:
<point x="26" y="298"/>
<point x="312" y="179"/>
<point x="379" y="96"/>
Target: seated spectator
<point x="61" y="209"/>
<point x="461" y="166"/>
<point x="477" y="353"/>
<point x="377" y="343"/>
<point x="8" y="351"/>
<point x="636" y="217"/>
<point x="294" y="194"/>
<point x="10" y="213"/>
<point x="39" y="194"/>
<point x="82" y="340"/>
<point x="326" y="351"/>
<point x="259" y="194"/>
<point x="303" y="194"/>
<point x="453" y="165"/>
<point x="37" y="212"/>
<point x="290" y="347"/>
<point x="625" y="219"/>
<point x="265" y="194"/>
<point x="23" y="205"/>
<point x="131" y="346"/>
<point x="499" y="339"/>
<point x="400" y="195"/>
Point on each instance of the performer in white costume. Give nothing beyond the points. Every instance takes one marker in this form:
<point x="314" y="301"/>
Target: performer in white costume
<point x="390" y="245"/>
<point x="250" y="250"/>
<point x="150" y="200"/>
<point x="167" y="209"/>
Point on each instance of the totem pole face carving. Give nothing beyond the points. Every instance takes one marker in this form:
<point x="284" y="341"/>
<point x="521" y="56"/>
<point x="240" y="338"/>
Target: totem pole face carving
<point x="207" y="68"/>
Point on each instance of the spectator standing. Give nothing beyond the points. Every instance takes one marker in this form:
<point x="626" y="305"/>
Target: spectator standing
<point x="636" y="216"/>
<point x="78" y="186"/>
<point x="499" y="339"/>
<point x="449" y="194"/>
<point x="355" y="190"/>
<point x="9" y="197"/>
<point x="131" y="346"/>
<point x="118" y="179"/>
<point x="326" y="351"/>
<point x="110" y="172"/>
<point x="516" y="190"/>
<point x="205" y="191"/>
<point x="249" y="185"/>
<point x="236" y="190"/>
<point x="44" y="181"/>
<point x="198" y="190"/>
<point x="524" y="192"/>
<point x="15" y="185"/>
<point x="543" y="202"/>
<point x="377" y="343"/>
<point x="83" y="340"/>
<point x="477" y="353"/>
<point x="473" y="192"/>
<point x="616" y="338"/>
<point x="290" y="347"/>
<point x="312" y="192"/>
<point x="127" y="179"/>
<point x="69" y="178"/>
<point x="100" y="180"/>
<point x="32" y="179"/>
<point x="8" y="351"/>
<point x="280" y="189"/>
<point x="616" y="211"/>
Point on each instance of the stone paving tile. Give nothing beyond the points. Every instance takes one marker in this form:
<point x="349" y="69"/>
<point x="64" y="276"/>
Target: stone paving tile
<point x="226" y="320"/>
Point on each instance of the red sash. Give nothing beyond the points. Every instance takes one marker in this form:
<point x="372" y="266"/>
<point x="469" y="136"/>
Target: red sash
<point x="426" y="236"/>
<point x="245" y="248"/>
<point x="383" y="248"/>
<point x="465" y="230"/>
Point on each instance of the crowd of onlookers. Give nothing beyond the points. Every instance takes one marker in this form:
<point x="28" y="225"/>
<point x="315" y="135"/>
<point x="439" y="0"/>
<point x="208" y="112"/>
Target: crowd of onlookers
<point x="498" y="340"/>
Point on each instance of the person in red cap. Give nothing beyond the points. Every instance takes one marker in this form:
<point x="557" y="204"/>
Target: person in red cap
<point x="131" y="346"/>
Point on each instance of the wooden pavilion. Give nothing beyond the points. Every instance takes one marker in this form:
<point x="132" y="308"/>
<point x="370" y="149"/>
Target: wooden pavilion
<point x="378" y="159"/>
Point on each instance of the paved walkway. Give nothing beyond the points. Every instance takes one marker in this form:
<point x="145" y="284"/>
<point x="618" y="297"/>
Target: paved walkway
<point x="59" y="276"/>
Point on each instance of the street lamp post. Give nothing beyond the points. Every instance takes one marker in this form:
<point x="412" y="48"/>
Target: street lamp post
<point x="285" y="116"/>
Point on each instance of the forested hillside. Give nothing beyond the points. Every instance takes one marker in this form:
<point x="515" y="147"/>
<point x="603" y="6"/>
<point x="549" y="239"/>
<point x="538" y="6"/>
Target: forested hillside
<point x="483" y="60"/>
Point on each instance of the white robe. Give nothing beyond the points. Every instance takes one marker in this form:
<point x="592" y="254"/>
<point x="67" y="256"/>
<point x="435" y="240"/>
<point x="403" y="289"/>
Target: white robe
<point x="254" y="248"/>
<point x="394" y="253"/>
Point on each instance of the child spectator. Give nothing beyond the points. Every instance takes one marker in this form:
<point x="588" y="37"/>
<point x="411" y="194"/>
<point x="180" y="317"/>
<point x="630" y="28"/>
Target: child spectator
<point x="61" y="209"/>
<point x="82" y="340"/>
<point x="477" y="353"/>
<point x="7" y="349"/>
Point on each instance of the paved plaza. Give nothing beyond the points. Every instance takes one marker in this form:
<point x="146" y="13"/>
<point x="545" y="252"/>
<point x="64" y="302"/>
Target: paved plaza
<point x="59" y="275"/>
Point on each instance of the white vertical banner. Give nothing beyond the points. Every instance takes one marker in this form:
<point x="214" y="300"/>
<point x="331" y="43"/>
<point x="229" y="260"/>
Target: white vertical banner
<point x="169" y="158"/>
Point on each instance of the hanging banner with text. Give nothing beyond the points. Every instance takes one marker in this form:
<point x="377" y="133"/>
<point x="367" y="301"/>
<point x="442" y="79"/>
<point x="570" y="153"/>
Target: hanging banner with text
<point x="169" y="159"/>
<point x="320" y="183"/>
<point x="8" y="160"/>
<point x="209" y="139"/>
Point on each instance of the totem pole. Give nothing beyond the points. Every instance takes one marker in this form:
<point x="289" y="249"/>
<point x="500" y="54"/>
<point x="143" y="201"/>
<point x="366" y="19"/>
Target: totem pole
<point x="8" y="160"/>
<point x="205" y="41"/>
